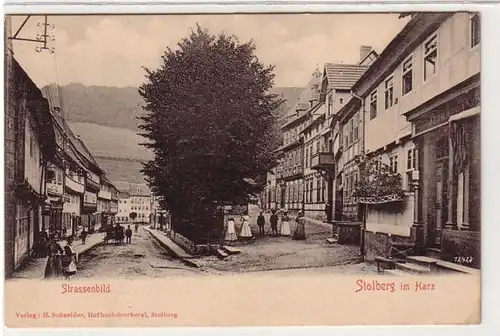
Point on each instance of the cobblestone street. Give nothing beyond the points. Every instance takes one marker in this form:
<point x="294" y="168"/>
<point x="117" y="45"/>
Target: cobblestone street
<point x="142" y="258"/>
<point x="268" y="253"/>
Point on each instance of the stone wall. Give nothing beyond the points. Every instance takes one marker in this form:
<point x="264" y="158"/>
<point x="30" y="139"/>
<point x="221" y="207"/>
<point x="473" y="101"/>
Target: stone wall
<point x="466" y="244"/>
<point x="379" y="244"/>
<point x="189" y="246"/>
<point x="183" y="242"/>
<point x="316" y="214"/>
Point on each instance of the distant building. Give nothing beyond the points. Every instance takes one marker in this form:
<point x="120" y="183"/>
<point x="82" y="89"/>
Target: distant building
<point x="134" y="197"/>
<point x="113" y="210"/>
<point x="319" y="172"/>
<point x="289" y="179"/>
<point x="123" y="207"/>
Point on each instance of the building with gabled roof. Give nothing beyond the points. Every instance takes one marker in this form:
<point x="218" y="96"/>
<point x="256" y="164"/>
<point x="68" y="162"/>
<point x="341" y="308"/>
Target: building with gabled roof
<point x="319" y="168"/>
<point x="134" y="197"/>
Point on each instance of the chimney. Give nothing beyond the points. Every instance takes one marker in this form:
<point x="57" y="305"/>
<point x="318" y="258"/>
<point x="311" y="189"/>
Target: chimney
<point x="364" y="51"/>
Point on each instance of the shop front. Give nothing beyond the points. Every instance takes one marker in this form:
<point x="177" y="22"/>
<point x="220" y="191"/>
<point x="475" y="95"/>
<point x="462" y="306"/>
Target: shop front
<point x="447" y="134"/>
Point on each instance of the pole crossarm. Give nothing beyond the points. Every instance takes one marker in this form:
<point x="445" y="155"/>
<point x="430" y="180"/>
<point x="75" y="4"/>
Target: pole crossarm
<point x="41" y="39"/>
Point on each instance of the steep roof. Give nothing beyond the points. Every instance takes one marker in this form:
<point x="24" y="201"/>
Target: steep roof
<point x="309" y="92"/>
<point x="343" y="76"/>
<point x="134" y="189"/>
<point x="139" y="189"/>
<point x="74" y="140"/>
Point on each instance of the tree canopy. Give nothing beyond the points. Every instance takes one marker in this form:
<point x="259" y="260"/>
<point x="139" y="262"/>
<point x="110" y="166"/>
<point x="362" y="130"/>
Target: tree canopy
<point x="209" y="122"/>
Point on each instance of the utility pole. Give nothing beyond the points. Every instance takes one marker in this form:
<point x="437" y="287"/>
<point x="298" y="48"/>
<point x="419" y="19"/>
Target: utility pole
<point x="42" y="40"/>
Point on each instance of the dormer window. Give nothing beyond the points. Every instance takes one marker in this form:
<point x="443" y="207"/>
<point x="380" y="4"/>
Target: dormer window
<point x="430" y="57"/>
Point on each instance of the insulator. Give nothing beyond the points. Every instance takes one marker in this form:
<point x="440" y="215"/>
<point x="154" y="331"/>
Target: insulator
<point x="38" y="49"/>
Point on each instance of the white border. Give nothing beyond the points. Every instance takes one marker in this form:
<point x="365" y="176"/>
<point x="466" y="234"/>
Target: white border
<point x="490" y="49"/>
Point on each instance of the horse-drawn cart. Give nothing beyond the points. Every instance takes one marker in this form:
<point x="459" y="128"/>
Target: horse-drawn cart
<point x="114" y="234"/>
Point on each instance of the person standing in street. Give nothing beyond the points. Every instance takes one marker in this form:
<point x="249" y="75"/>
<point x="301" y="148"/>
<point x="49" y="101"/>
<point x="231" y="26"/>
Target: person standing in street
<point x="231" y="230"/>
<point x="261" y="222"/>
<point x="274" y="223"/>
<point x="69" y="259"/>
<point x="83" y="235"/>
<point x="300" y="230"/>
<point x="128" y="234"/>
<point x="285" y="225"/>
<point x="136" y="227"/>
<point x="246" y="232"/>
<point x="54" y="269"/>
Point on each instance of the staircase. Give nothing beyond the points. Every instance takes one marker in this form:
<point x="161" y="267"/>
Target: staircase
<point x="401" y="261"/>
<point x="421" y="265"/>
<point x="335" y="235"/>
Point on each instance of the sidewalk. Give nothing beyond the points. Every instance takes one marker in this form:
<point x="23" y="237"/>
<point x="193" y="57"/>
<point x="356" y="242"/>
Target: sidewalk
<point x="177" y="251"/>
<point x="35" y="268"/>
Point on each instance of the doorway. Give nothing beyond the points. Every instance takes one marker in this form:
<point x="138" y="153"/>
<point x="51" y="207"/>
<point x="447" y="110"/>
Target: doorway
<point x="283" y="195"/>
<point x="339" y="204"/>
<point x="441" y="204"/>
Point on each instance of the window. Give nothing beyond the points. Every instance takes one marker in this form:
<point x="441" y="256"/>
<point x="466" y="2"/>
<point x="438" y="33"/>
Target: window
<point x="407" y="84"/>
<point x="350" y="131"/>
<point x="430" y="57"/>
<point x="356" y="127"/>
<point x="317" y="146"/>
<point x="310" y="155"/>
<point x="329" y="111"/>
<point x="373" y="105"/>
<point x="475" y="30"/>
<point x="306" y="191"/>
<point x="311" y="187"/>
<point x="323" y="189"/>
<point x="389" y="92"/>
<point x="318" y="190"/>
<point x="32" y="147"/>
<point x="411" y="159"/>
<point x="393" y="164"/>
<point x="341" y="101"/>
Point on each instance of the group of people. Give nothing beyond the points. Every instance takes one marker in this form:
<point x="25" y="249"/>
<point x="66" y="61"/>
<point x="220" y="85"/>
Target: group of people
<point x="62" y="258"/>
<point x="118" y="233"/>
<point x="246" y="232"/>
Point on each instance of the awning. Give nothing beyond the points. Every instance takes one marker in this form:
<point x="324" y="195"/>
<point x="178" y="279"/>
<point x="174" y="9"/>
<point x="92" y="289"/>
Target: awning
<point x="465" y="114"/>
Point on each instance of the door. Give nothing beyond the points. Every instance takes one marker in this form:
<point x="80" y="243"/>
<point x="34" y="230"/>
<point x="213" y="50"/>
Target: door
<point x="339" y="204"/>
<point x="441" y="202"/>
<point x="329" y="205"/>
<point x="283" y="195"/>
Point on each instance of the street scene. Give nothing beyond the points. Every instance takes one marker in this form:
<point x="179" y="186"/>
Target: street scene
<point x="201" y="147"/>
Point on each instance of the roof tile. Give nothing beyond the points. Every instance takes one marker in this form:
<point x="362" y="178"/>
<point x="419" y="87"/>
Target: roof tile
<point x="343" y="76"/>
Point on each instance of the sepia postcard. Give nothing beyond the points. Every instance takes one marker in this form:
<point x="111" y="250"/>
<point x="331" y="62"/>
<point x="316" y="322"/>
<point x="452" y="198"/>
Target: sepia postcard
<point x="242" y="169"/>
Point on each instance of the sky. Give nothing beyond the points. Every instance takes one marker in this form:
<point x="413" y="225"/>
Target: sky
<point x="111" y="50"/>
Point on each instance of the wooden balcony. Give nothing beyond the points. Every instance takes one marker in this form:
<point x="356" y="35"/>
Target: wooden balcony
<point x="92" y="186"/>
<point x="323" y="160"/>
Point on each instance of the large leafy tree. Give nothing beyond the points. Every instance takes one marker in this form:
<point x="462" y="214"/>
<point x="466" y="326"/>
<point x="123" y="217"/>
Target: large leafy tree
<point x="209" y="122"/>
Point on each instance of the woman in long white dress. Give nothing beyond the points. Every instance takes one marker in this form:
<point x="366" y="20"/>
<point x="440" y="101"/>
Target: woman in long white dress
<point x="285" y="225"/>
<point x="231" y="230"/>
<point x="69" y="259"/>
<point x="246" y="232"/>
